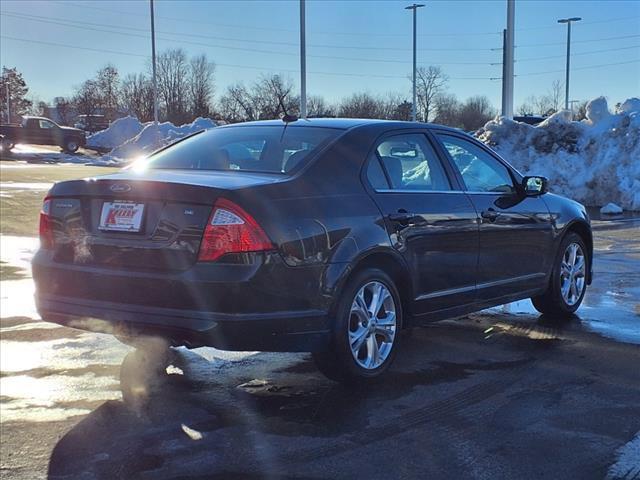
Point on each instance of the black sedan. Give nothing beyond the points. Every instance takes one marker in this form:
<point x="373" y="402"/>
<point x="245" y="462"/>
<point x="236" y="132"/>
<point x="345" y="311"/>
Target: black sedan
<point x="328" y="236"/>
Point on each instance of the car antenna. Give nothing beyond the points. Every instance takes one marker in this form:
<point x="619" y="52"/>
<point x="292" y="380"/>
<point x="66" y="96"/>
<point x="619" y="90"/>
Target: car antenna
<point x="286" y="118"/>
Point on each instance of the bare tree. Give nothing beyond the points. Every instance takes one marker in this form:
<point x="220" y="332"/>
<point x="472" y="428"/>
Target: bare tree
<point x="361" y="105"/>
<point x="87" y="98"/>
<point x="173" y="83"/>
<point x="555" y="94"/>
<point x="108" y="84"/>
<point x="274" y="95"/>
<point x="475" y="112"/>
<point x="64" y="107"/>
<point x="317" y="107"/>
<point x="201" y="85"/>
<point x="430" y="82"/>
<point x="237" y="104"/>
<point x="136" y="96"/>
<point x="394" y="106"/>
<point x="447" y="109"/>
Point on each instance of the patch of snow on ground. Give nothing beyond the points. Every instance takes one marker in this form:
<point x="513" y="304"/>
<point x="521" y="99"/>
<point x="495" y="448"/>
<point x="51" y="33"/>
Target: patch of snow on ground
<point x="594" y="161"/>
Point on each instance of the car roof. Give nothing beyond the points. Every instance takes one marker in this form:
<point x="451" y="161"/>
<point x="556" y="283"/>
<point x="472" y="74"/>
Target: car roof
<point x="32" y="117"/>
<point x="343" y="123"/>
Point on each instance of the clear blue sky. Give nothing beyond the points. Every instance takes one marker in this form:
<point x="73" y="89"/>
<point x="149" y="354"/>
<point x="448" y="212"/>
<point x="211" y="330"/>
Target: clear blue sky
<point x="352" y="45"/>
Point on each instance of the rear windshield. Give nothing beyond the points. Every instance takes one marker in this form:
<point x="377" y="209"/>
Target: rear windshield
<point x="256" y="149"/>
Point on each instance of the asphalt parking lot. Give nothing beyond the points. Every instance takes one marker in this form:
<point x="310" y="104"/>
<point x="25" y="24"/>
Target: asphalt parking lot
<point x="505" y="393"/>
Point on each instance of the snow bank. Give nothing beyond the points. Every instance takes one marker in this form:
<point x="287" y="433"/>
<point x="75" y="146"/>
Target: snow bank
<point x="118" y="132"/>
<point x="595" y="161"/>
<point x="611" y="209"/>
<point x="151" y="137"/>
<point x="127" y="138"/>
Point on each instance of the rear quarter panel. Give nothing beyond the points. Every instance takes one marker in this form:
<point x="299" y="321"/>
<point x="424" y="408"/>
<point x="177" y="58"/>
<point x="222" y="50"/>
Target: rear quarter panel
<point x="322" y="219"/>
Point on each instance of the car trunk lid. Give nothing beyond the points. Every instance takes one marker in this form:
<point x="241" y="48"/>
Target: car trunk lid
<point x="143" y="221"/>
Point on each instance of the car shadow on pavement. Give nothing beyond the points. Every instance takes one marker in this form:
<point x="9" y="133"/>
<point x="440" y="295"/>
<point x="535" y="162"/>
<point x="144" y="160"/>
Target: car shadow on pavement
<point x="186" y="416"/>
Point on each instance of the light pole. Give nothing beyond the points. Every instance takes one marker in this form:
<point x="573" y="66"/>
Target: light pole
<point x="566" y="83"/>
<point x="508" y="60"/>
<point x="415" y="8"/>
<point x="303" y="62"/>
<point x="153" y="66"/>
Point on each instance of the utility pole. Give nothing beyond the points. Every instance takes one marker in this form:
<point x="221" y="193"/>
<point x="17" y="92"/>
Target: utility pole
<point x="153" y="63"/>
<point x="303" y="62"/>
<point x="508" y="60"/>
<point x="568" y="21"/>
<point x="6" y="84"/>
<point x="415" y="8"/>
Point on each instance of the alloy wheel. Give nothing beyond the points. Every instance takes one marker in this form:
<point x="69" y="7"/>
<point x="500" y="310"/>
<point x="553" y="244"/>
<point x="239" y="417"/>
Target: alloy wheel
<point x="572" y="274"/>
<point x="372" y="325"/>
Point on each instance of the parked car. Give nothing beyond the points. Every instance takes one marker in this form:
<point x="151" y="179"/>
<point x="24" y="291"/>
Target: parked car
<point x="41" y="131"/>
<point x="530" y="119"/>
<point x="326" y="235"/>
<point x="91" y="123"/>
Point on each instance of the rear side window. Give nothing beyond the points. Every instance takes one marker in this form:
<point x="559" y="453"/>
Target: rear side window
<point x="480" y="171"/>
<point x="411" y="163"/>
<point x="264" y="148"/>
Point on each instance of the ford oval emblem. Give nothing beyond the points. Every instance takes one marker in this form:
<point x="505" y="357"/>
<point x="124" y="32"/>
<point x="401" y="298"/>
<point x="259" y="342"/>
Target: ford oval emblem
<point x="120" y="187"/>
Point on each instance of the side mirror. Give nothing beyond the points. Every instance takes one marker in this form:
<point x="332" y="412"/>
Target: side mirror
<point x="535" y="185"/>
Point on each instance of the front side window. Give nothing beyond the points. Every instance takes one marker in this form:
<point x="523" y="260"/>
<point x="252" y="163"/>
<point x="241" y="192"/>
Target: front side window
<point x="411" y="163"/>
<point x="480" y="171"/>
<point x="45" y="124"/>
<point x="265" y="148"/>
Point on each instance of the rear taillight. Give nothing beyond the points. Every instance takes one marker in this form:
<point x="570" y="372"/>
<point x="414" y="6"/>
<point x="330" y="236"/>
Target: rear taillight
<point x="46" y="230"/>
<point x="231" y="230"/>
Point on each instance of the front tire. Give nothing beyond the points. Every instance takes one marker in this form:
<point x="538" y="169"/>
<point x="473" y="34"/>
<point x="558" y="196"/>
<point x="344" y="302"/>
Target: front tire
<point x="568" y="282"/>
<point x="366" y="331"/>
<point x="71" y="146"/>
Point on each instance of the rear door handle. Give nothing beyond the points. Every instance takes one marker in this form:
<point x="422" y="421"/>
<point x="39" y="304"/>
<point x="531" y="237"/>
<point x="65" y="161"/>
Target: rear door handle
<point x="490" y="214"/>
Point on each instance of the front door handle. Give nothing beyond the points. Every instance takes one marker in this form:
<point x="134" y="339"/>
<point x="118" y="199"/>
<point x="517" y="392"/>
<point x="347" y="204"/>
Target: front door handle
<point x="407" y="219"/>
<point x="490" y="214"/>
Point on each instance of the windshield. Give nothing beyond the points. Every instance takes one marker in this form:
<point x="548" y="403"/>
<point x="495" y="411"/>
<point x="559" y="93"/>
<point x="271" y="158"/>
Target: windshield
<point x="256" y="148"/>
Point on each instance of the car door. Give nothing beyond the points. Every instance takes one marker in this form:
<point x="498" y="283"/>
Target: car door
<point x="515" y="229"/>
<point x="44" y="132"/>
<point x="430" y="221"/>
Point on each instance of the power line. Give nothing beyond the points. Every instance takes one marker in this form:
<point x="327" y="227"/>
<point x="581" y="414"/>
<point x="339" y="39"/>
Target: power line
<point x="83" y="26"/>
<point x="555" y="26"/>
<point x="404" y="35"/>
<point x="251" y="67"/>
<point x="236" y="26"/>
<point x="588" y="67"/>
<point x="532" y="59"/>
<point x="577" y="41"/>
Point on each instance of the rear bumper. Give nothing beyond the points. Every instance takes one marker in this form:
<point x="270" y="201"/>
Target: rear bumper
<point x="263" y="306"/>
<point x="291" y="331"/>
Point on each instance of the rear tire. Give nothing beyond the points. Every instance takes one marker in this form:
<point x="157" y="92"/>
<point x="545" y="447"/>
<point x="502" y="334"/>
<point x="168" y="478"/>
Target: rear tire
<point x="568" y="282"/>
<point x="7" y="145"/>
<point x="366" y="330"/>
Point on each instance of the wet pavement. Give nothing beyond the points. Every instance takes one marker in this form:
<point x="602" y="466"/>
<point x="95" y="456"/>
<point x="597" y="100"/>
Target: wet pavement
<point x="504" y="393"/>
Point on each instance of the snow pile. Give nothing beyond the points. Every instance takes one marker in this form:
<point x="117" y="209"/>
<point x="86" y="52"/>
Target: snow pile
<point x="152" y="137"/>
<point x="116" y="134"/>
<point x="611" y="209"/>
<point x="127" y="138"/>
<point x="595" y="161"/>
